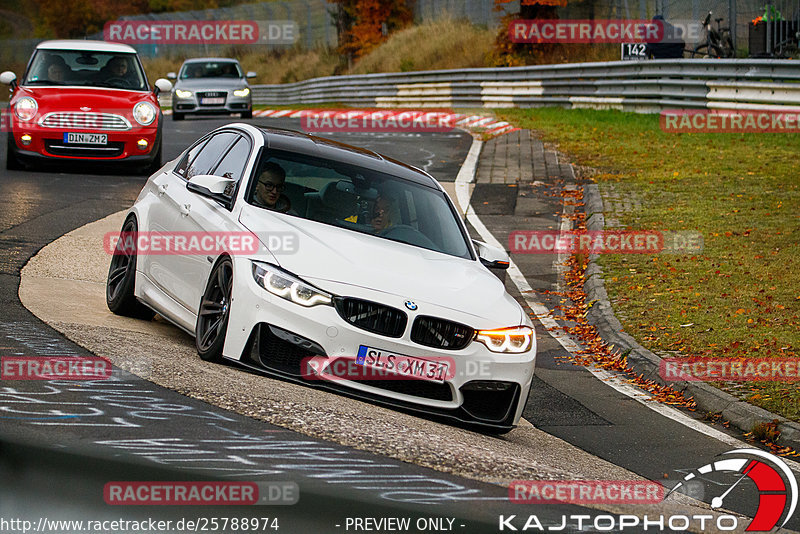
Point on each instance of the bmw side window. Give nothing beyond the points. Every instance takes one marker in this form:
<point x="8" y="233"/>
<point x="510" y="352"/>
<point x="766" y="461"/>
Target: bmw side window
<point x="187" y="159"/>
<point x="232" y="165"/>
<point x="210" y="154"/>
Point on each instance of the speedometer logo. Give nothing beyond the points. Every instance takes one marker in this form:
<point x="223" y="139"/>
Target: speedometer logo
<point x="775" y="482"/>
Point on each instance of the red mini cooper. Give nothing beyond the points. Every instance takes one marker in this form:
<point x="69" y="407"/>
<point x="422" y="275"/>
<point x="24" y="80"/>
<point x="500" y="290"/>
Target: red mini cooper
<point x="84" y="100"/>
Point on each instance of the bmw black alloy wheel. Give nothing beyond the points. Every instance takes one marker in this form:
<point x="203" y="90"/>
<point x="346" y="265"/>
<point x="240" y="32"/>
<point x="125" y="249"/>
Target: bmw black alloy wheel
<point x="121" y="280"/>
<point x="212" y="318"/>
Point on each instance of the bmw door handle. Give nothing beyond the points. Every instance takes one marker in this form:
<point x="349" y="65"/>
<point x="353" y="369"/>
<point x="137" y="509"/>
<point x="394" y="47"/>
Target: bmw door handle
<point x="185" y="209"/>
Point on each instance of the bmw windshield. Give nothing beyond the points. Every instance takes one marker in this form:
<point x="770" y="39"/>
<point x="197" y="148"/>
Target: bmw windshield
<point x="358" y="199"/>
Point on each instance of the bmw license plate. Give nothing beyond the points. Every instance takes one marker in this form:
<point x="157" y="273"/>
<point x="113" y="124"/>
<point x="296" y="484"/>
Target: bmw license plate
<point x="212" y="101"/>
<point x="85" y="138"/>
<point x="403" y="366"/>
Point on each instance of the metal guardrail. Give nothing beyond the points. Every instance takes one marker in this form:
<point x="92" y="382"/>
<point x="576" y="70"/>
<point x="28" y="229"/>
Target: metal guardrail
<point x="644" y="86"/>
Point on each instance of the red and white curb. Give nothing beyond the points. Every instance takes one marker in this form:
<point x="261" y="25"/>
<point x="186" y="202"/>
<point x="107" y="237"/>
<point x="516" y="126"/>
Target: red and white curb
<point x="478" y="123"/>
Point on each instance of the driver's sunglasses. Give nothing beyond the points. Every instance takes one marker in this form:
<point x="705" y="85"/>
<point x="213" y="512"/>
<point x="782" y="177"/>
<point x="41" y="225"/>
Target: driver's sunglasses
<point x="269" y="186"/>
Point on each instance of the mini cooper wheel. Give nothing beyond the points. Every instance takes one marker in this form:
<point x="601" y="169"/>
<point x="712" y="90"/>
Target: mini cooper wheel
<point x="122" y="276"/>
<point x="212" y="317"/>
<point x="12" y="162"/>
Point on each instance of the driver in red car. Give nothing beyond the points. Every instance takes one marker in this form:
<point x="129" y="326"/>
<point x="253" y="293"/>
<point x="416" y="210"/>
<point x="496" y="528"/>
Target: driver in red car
<point x="117" y="69"/>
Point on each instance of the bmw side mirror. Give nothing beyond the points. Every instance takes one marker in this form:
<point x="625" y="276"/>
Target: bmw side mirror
<point x="9" y="78"/>
<point x="162" y="86"/>
<point x="491" y="257"/>
<point x="216" y="188"/>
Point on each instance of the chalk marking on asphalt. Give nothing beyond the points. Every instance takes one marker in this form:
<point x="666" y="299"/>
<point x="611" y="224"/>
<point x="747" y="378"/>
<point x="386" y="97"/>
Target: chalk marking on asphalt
<point x="464" y="178"/>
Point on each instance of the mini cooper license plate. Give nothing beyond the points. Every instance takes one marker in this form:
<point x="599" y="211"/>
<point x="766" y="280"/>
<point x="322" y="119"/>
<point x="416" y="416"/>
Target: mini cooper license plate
<point x="399" y="366"/>
<point x="85" y="138"/>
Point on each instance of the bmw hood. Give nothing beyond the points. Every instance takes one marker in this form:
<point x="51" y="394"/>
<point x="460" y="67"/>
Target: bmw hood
<point x="332" y="257"/>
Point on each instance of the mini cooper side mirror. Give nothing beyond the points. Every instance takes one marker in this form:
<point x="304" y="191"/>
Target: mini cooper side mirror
<point x="8" y="78"/>
<point x="172" y="76"/>
<point x="491" y="257"/>
<point x="250" y="74"/>
<point x="162" y="86"/>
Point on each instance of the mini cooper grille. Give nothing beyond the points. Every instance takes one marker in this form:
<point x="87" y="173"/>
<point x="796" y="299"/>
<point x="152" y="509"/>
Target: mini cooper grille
<point x="57" y="148"/>
<point x="440" y="333"/>
<point x="372" y="316"/>
<point x="81" y="119"/>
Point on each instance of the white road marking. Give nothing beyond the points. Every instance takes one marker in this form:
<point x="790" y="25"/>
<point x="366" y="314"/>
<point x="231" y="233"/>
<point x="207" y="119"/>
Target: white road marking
<point x="465" y="176"/>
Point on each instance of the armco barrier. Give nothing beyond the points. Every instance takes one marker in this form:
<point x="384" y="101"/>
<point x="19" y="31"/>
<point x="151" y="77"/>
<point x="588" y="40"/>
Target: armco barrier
<point x="644" y="86"/>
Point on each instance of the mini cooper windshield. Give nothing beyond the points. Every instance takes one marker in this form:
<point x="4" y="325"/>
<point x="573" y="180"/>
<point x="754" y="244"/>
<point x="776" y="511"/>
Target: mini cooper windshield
<point x="358" y="199"/>
<point x="87" y="69"/>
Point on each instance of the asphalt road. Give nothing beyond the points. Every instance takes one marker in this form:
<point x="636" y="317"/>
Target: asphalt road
<point x="130" y="417"/>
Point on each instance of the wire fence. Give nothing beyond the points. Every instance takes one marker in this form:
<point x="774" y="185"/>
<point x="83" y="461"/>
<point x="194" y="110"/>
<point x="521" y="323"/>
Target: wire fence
<point x="313" y="21"/>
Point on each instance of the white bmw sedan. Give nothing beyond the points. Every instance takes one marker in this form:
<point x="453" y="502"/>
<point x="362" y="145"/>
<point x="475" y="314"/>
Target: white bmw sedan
<point x="330" y="265"/>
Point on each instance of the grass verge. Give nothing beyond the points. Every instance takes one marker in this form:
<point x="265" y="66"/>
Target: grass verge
<point x="740" y="297"/>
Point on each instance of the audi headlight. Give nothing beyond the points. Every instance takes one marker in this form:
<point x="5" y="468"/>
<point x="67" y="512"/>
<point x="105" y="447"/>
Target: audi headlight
<point x="180" y="93"/>
<point x="242" y="92"/>
<point x="144" y="113"/>
<point x="25" y="109"/>
<point x="284" y="285"/>
<point x="515" y="340"/>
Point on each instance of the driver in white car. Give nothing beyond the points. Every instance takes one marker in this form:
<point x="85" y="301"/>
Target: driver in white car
<point x="269" y="189"/>
<point x="381" y="218"/>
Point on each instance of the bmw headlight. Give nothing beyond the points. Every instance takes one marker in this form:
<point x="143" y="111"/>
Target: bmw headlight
<point x="26" y="108"/>
<point x="180" y="93"/>
<point x="289" y="287"/>
<point x="514" y="340"/>
<point x="144" y="113"/>
<point x="242" y="92"/>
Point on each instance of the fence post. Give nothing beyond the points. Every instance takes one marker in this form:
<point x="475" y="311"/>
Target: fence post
<point x="769" y="23"/>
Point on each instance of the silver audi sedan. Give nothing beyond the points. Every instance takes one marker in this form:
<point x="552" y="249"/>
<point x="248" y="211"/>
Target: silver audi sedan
<point x="209" y="86"/>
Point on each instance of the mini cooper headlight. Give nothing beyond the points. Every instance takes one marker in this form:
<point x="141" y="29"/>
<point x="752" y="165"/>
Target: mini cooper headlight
<point x="180" y="93"/>
<point x="515" y="340"/>
<point x="26" y="108"/>
<point x="144" y="113"/>
<point x="284" y="285"/>
<point x="242" y="92"/>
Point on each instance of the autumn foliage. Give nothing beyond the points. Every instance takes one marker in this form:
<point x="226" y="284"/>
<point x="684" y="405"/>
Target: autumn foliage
<point x="79" y="18"/>
<point x="361" y="23"/>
